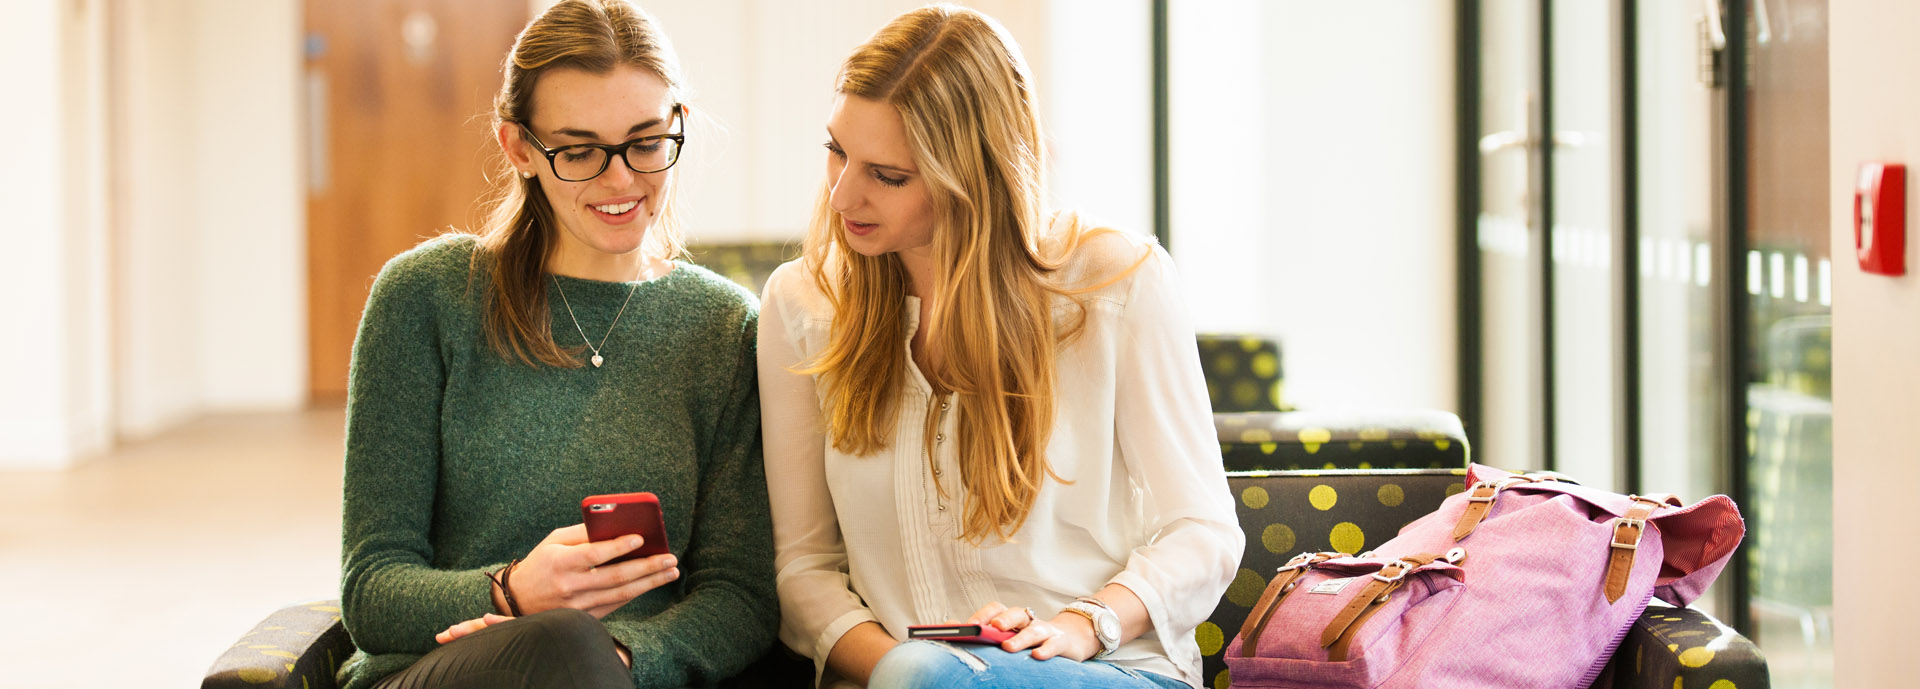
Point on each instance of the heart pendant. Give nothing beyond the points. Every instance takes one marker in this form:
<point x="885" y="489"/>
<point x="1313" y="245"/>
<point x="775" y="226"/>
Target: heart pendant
<point x="597" y="361"/>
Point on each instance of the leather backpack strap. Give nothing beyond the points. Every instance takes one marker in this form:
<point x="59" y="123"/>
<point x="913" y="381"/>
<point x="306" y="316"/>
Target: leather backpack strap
<point x="1481" y="495"/>
<point x="1480" y="498"/>
<point x="1285" y="581"/>
<point x="1627" y="532"/>
<point x="1479" y="502"/>
<point x="1383" y="583"/>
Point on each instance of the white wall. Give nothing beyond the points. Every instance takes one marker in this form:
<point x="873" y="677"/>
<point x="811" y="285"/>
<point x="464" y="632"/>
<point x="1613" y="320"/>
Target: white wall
<point x="156" y="250"/>
<point x="762" y="76"/>
<point x="1313" y="190"/>
<point x="1876" y="325"/>
<point x="1096" y="99"/>
<point x="33" y="425"/>
<point x="250" y="195"/>
<point x="54" y="401"/>
<point x="212" y="266"/>
<point x="160" y="228"/>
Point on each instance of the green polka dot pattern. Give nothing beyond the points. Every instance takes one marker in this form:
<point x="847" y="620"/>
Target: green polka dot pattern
<point x="296" y="646"/>
<point x="1683" y="647"/>
<point x="1318" y="441"/>
<point x="1243" y="372"/>
<point x="749" y="264"/>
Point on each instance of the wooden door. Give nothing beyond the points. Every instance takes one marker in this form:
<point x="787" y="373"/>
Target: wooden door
<point x="398" y="100"/>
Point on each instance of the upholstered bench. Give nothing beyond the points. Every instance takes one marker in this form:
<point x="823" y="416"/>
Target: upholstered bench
<point x="1282" y="513"/>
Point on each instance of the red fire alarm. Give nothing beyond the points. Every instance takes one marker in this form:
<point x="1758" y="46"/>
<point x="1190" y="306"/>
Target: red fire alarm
<point x="1880" y="218"/>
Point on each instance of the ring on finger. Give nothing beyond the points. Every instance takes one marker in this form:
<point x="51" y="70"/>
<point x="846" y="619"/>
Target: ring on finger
<point x="1031" y="618"/>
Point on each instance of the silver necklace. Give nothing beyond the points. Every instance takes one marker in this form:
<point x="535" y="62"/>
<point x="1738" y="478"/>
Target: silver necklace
<point x="597" y="359"/>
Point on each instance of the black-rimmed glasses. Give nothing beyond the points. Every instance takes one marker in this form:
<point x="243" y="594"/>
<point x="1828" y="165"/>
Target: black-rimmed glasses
<point x="582" y="162"/>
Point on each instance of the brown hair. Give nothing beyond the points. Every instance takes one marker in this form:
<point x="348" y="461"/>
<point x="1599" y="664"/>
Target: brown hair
<point x="965" y="95"/>
<point x="595" y="36"/>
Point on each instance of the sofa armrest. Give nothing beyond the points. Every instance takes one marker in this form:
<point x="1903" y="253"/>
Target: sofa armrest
<point x="1682" y="647"/>
<point x="296" y="647"/>
<point x="1338" y="439"/>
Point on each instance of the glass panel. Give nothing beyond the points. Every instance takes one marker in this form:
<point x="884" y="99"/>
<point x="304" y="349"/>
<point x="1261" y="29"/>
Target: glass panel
<point x="1509" y="435"/>
<point x="1789" y="385"/>
<point x="1583" y="209"/>
<point x="1681" y="416"/>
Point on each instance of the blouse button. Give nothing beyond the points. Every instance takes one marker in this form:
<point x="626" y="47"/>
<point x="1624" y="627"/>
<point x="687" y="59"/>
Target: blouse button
<point x="936" y="471"/>
<point x="943" y="406"/>
<point x="939" y="437"/>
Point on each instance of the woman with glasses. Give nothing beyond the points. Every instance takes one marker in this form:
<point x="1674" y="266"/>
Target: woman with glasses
<point x="976" y="411"/>
<point x="500" y="378"/>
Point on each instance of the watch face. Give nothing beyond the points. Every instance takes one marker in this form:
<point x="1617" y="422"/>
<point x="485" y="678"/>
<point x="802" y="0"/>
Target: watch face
<point x="1109" y="627"/>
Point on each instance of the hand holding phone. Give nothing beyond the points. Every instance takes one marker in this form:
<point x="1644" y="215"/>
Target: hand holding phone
<point x="612" y="516"/>
<point x="960" y="633"/>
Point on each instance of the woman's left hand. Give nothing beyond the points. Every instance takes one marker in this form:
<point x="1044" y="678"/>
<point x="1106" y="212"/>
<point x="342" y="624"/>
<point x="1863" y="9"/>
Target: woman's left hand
<point x="1061" y="636"/>
<point x="469" y="627"/>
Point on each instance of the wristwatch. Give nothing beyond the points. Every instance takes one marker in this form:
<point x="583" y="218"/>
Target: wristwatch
<point x="1106" y="622"/>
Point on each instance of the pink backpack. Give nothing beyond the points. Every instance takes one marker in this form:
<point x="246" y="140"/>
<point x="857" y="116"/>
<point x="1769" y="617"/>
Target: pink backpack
<point x="1519" y="581"/>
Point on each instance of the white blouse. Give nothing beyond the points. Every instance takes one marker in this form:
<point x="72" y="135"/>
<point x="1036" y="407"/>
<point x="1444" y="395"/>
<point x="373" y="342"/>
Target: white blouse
<point x="870" y="538"/>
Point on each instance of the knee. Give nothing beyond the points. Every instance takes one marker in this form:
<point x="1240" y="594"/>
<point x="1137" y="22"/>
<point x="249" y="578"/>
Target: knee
<point x="567" y="628"/>
<point x="572" y="643"/>
<point x="923" y="664"/>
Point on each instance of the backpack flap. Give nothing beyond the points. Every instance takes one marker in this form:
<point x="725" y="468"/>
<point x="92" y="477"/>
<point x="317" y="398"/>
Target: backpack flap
<point x="1698" y="540"/>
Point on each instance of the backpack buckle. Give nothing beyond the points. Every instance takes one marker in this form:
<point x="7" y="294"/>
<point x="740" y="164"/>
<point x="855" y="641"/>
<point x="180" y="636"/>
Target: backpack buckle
<point x="1639" y="527"/>
<point x="1405" y="567"/>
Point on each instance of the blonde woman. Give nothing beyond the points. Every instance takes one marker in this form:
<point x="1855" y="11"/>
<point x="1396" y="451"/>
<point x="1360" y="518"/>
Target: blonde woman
<point x="499" y="379"/>
<point x="978" y="411"/>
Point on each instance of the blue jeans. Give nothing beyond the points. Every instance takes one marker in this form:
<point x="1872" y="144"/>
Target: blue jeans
<point x="939" y="665"/>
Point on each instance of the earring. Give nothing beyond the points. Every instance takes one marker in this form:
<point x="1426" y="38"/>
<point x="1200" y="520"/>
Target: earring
<point x="526" y="174"/>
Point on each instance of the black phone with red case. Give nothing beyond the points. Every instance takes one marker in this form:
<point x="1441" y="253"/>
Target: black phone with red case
<point x="960" y="633"/>
<point x="612" y="516"/>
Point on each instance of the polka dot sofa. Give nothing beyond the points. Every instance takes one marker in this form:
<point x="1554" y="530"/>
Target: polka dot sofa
<point x="1282" y="513"/>
<point x="1302" y="481"/>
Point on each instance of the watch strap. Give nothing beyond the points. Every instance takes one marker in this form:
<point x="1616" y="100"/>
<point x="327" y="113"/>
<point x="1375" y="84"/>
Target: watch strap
<point x="1094" y="609"/>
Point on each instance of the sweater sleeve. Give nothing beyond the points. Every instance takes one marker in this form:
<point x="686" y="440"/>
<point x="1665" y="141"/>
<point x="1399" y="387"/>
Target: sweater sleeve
<point x="1164" y="428"/>
<point x="392" y="598"/>
<point x="727" y="613"/>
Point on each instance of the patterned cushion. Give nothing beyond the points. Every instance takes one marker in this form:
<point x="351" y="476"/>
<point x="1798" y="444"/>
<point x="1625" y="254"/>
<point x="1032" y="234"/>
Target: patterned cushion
<point x="1683" y="647"/>
<point x="1318" y="440"/>
<point x="748" y="264"/>
<point x="298" y="646"/>
<point x="1243" y="372"/>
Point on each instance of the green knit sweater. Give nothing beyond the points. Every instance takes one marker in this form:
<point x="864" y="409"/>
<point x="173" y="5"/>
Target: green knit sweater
<point x="459" y="460"/>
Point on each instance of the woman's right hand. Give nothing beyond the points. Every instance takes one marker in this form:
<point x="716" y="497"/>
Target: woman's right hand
<point x="564" y="571"/>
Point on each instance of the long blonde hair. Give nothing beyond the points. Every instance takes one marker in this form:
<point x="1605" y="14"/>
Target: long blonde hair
<point x="595" y="36"/>
<point x="965" y="94"/>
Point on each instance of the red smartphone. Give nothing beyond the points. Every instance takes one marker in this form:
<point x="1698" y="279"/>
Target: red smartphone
<point x="612" y="516"/>
<point x="962" y="633"/>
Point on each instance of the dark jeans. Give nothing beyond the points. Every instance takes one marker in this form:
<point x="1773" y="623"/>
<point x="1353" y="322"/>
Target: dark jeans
<point x="557" y="648"/>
